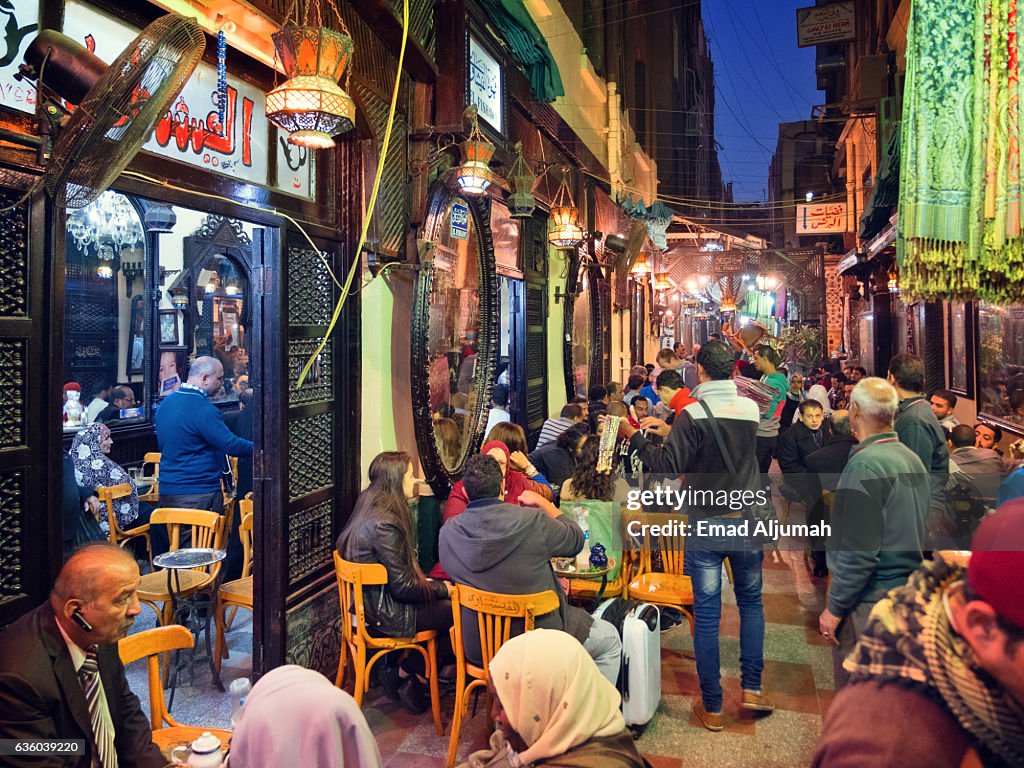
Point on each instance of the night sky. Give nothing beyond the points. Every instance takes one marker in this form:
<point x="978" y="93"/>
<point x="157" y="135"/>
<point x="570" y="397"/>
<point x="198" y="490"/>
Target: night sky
<point x="761" y="79"/>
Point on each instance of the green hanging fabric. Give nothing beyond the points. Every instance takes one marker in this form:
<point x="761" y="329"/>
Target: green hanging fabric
<point x="959" y="234"/>
<point x="528" y="45"/>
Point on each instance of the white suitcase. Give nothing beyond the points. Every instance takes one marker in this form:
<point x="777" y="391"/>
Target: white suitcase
<point x="640" y="679"/>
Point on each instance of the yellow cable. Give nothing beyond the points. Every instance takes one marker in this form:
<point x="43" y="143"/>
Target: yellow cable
<point x="356" y="258"/>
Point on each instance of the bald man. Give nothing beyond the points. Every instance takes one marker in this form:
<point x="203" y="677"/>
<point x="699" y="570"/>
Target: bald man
<point x="194" y="441"/>
<point x="46" y="658"/>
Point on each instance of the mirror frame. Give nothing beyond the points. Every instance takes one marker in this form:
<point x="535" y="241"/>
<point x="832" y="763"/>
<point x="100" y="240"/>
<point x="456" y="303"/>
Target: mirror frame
<point x="440" y="477"/>
<point x="595" y="279"/>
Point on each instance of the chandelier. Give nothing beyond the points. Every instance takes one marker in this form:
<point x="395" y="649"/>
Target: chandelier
<point x="310" y="105"/>
<point x="565" y="231"/>
<point x="474" y="176"/>
<point x="104" y="229"/>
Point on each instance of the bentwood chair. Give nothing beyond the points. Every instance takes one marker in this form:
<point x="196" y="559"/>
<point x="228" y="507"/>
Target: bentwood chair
<point x="117" y="535"/>
<point x="495" y="614"/>
<point x="149" y="644"/>
<point x="669" y="586"/>
<point x="238" y="593"/>
<point x="207" y="531"/>
<point x="365" y="649"/>
<point x="151" y="459"/>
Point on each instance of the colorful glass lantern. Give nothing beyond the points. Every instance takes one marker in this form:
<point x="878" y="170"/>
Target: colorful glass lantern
<point x="474" y="175"/>
<point x="310" y="104"/>
<point x="661" y="282"/>
<point x="565" y="231"/>
<point x="521" y="203"/>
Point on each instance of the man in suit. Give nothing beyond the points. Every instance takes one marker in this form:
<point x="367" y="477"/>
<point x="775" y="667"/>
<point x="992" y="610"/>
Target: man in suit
<point x="61" y="677"/>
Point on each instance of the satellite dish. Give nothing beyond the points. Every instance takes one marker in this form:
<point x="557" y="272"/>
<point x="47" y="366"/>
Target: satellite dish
<point x="118" y="106"/>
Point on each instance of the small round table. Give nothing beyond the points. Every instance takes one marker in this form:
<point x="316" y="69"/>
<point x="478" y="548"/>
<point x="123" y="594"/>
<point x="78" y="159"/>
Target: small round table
<point x="172" y="562"/>
<point x="592" y="575"/>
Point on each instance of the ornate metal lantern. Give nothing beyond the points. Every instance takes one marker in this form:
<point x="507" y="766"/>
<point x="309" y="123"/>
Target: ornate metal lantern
<point x="661" y="282"/>
<point x="474" y="175"/>
<point x="565" y="231"/>
<point x="641" y="267"/>
<point x="521" y="203"/>
<point x="310" y="104"/>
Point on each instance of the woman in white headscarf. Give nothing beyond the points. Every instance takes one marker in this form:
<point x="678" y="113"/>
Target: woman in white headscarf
<point x="553" y="708"/>
<point x="296" y="717"/>
<point x="819" y="393"/>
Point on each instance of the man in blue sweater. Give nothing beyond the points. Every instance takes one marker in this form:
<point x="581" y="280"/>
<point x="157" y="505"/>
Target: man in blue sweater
<point x="194" y="441"/>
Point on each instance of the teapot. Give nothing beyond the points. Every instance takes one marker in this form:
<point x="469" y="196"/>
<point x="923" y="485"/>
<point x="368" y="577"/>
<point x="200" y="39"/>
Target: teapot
<point x="204" y="752"/>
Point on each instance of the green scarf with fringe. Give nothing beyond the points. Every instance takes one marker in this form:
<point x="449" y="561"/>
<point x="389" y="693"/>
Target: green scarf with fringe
<point x="960" y="234"/>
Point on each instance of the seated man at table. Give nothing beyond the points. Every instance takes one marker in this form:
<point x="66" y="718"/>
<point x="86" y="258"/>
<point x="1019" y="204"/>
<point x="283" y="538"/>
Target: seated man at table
<point x="194" y="440"/>
<point x="505" y="548"/>
<point x="60" y="675"/>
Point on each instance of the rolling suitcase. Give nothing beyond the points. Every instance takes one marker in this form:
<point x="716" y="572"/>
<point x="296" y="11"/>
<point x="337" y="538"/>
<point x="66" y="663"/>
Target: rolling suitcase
<point x="639" y="626"/>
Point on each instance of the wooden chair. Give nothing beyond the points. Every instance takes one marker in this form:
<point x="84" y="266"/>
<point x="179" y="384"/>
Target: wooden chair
<point x="366" y="650"/>
<point x="151" y="459"/>
<point x="149" y="644"/>
<point x="669" y="586"/>
<point x="117" y="535"/>
<point x="238" y="593"/>
<point x="207" y="531"/>
<point x="495" y="614"/>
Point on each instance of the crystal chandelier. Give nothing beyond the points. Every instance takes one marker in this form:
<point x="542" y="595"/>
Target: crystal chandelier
<point x="310" y="105"/>
<point x="104" y="229"/>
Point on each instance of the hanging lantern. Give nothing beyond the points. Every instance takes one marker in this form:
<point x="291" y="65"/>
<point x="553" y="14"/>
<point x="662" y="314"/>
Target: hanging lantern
<point x="310" y="104"/>
<point x="661" y="282"/>
<point x="179" y="298"/>
<point x="160" y="217"/>
<point x="641" y="267"/>
<point x="565" y="231"/>
<point x="474" y="176"/>
<point x="521" y="203"/>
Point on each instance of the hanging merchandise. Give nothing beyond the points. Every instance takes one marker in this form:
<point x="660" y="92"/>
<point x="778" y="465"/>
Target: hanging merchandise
<point x="959" y="233"/>
<point x="657" y="217"/>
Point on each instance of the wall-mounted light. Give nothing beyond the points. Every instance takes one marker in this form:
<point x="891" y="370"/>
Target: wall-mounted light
<point x="641" y="267"/>
<point x="474" y="175"/>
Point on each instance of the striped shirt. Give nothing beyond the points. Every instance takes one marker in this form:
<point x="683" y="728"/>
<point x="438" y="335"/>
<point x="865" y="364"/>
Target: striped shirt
<point x="552" y="429"/>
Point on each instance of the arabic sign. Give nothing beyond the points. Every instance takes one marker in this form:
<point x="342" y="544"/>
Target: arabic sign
<point x="460" y="221"/>
<point x="485" y="84"/>
<point x="832" y="23"/>
<point x="20" y="19"/>
<point x="190" y="131"/>
<point x="820" y="218"/>
<point x="725" y="263"/>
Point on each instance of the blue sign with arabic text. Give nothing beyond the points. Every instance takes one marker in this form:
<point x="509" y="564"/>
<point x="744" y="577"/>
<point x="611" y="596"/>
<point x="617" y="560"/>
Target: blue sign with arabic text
<point x="460" y="221"/>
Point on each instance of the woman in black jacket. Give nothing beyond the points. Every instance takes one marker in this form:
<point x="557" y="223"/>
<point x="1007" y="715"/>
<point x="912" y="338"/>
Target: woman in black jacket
<point x="380" y="531"/>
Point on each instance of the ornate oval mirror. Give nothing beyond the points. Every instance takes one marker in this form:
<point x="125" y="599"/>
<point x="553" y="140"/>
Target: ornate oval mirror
<point x="582" y="354"/>
<point x="455" y="331"/>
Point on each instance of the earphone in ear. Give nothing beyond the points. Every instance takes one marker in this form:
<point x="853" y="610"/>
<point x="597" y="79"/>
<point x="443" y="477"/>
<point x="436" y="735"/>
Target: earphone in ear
<point x="80" y="620"/>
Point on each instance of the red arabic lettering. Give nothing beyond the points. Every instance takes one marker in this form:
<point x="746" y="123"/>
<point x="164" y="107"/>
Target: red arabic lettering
<point x="207" y="134"/>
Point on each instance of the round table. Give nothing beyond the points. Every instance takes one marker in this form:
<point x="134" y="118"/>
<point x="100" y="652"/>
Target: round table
<point x="592" y="575"/>
<point x="172" y="562"/>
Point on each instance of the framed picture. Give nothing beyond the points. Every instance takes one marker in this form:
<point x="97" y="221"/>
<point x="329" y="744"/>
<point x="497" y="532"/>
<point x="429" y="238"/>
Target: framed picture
<point x="960" y="347"/>
<point x="172" y="371"/>
<point x="136" y="337"/>
<point x="169" y="327"/>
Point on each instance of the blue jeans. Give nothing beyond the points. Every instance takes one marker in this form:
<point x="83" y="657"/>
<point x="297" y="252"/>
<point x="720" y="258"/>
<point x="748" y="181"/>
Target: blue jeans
<point x="704" y="559"/>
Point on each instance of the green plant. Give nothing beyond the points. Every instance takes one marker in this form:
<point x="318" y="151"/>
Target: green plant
<point x="802" y="345"/>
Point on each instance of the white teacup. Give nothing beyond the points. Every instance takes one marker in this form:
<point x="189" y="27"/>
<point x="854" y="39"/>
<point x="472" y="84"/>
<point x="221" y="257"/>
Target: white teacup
<point x="204" y="752"/>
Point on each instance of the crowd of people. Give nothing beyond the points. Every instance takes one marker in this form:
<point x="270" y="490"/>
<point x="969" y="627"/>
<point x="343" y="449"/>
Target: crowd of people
<point x="886" y="475"/>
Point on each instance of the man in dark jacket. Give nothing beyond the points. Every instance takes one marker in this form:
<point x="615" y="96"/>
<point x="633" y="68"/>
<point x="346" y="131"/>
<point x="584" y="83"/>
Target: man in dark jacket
<point x="54" y="657"/>
<point x="824" y="467"/>
<point x="691" y="447"/>
<point x="505" y="548"/>
<point x="919" y="430"/>
<point x="797" y="443"/>
<point x="981" y="468"/>
<point x="557" y="460"/>
<point x="877" y="520"/>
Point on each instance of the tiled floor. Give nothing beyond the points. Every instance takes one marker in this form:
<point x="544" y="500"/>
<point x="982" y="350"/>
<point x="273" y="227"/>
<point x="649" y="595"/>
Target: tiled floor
<point x="798" y="675"/>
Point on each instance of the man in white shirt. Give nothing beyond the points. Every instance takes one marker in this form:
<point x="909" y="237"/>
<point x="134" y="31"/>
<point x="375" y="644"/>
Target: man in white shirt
<point x="499" y="409"/>
<point x="97" y="404"/>
<point x="60" y="674"/>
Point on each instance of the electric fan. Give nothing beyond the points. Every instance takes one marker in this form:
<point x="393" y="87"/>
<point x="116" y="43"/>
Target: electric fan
<point x="118" y="106"/>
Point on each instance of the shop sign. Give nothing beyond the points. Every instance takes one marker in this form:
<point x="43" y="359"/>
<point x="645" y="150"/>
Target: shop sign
<point x="727" y="263"/>
<point x="296" y="168"/>
<point x="460" y="221"/>
<point x="485" y="84"/>
<point x="833" y="23"/>
<point x="821" y="218"/>
<point x="189" y="132"/>
<point x="20" y="22"/>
